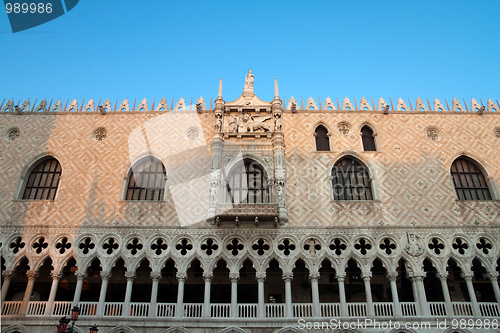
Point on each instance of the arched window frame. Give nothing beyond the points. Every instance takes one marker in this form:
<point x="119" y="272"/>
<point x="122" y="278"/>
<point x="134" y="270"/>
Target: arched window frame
<point x="26" y="173"/>
<point x="129" y="169"/>
<point x="375" y="138"/>
<point x="328" y="134"/>
<point x="494" y="194"/>
<point x="371" y="174"/>
<point x="266" y="171"/>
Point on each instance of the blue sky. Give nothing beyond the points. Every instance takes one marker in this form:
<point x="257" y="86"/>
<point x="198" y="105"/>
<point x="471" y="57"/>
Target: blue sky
<point x="120" y="49"/>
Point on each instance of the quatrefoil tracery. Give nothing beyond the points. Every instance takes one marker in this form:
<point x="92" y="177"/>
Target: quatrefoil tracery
<point x="158" y="246"/>
<point x="17" y="245"/>
<point x="184" y="246"/>
<point x="86" y="245"/>
<point x="338" y="246"/>
<point x="110" y="245"/>
<point x="235" y="246"/>
<point x="436" y="245"/>
<point x="286" y="247"/>
<point x="484" y="245"/>
<point x="460" y="245"/>
<point x="209" y="246"/>
<point x="363" y="246"/>
<point x="40" y="245"/>
<point x="260" y="246"/>
<point x="134" y="246"/>
<point x="388" y="246"/>
<point x="63" y="245"/>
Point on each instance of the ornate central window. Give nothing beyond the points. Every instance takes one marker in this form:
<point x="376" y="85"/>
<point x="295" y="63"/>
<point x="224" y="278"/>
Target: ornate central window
<point x="247" y="184"/>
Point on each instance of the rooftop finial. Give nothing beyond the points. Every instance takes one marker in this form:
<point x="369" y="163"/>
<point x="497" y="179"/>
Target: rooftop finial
<point x="220" y="89"/>
<point x="276" y="93"/>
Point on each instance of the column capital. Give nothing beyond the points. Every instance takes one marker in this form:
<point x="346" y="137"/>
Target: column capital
<point x="31" y="274"/>
<point x="366" y="276"/>
<point x="80" y="275"/>
<point x="8" y="274"/>
<point x="260" y="277"/>
<point x="181" y="276"/>
<point x="288" y="276"/>
<point x="492" y="275"/>
<point x="341" y="277"/>
<point x="55" y="275"/>
<point x="442" y="275"/>
<point x="155" y="276"/>
<point x="208" y="276"/>
<point x="234" y="277"/>
<point x="416" y="276"/>
<point x="105" y="275"/>
<point x="467" y="275"/>
<point x="130" y="275"/>
<point x="314" y="276"/>
<point x="392" y="276"/>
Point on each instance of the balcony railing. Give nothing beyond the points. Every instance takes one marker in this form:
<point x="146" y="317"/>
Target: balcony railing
<point x="272" y="310"/>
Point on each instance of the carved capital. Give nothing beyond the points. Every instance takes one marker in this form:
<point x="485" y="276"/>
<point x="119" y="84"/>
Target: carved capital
<point x="130" y="275"/>
<point x="467" y="275"/>
<point x="442" y="275"/>
<point x="55" y="275"/>
<point x="181" y="276"/>
<point x="234" y="277"/>
<point x="492" y="276"/>
<point x="105" y="275"/>
<point x="80" y="275"/>
<point x="392" y="276"/>
<point x="288" y="276"/>
<point x="155" y="276"/>
<point x="260" y="277"/>
<point x="341" y="277"/>
<point x="208" y="276"/>
<point x="314" y="276"/>
<point x="31" y="274"/>
<point x="416" y="276"/>
<point x="8" y="274"/>
<point x="366" y="276"/>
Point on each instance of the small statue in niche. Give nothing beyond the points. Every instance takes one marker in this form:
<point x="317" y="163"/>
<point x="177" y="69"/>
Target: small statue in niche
<point x="277" y="122"/>
<point x="213" y="194"/>
<point x="414" y="248"/>
<point x="233" y="124"/>
<point x="218" y="124"/>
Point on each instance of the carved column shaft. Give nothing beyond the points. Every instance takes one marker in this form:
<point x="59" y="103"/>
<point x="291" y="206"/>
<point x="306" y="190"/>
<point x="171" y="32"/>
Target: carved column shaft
<point x="80" y="277"/>
<point x="394" y="292"/>
<point x="207" y="277"/>
<point x="443" y="277"/>
<point x="179" y="310"/>
<point x="56" y="276"/>
<point x="7" y="277"/>
<point x="155" y="278"/>
<point x="105" y="276"/>
<point x="27" y="294"/>
<point x="343" y="302"/>
<point x="287" y="277"/>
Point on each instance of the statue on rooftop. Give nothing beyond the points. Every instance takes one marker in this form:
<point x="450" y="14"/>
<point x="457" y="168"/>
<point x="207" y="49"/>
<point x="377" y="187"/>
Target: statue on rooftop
<point x="249" y="80"/>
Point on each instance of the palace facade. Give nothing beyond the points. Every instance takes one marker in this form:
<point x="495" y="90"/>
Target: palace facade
<point x="251" y="216"/>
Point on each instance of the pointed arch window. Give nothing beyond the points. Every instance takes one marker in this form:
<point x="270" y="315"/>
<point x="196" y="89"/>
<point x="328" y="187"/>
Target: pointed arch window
<point x="43" y="180"/>
<point x="322" y="139"/>
<point x="469" y="181"/>
<point x="247" y="183"/>
<point x="350" y="180"/>
<point x="146" y="181"/>
<point x="368" y="139"/>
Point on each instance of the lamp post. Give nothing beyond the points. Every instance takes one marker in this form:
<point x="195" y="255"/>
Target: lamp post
<point x="63" y="322"/>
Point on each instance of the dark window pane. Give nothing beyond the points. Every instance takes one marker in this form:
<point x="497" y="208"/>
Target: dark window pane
<point x="322" y="139"/>
<point x="147" y="180"/>
<point x="469" y="181"/>
<point x="255" y="190"/>
<point x="368" y="139"/>
<point x="43" y="180"/>
<point x="350" y="180"/>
